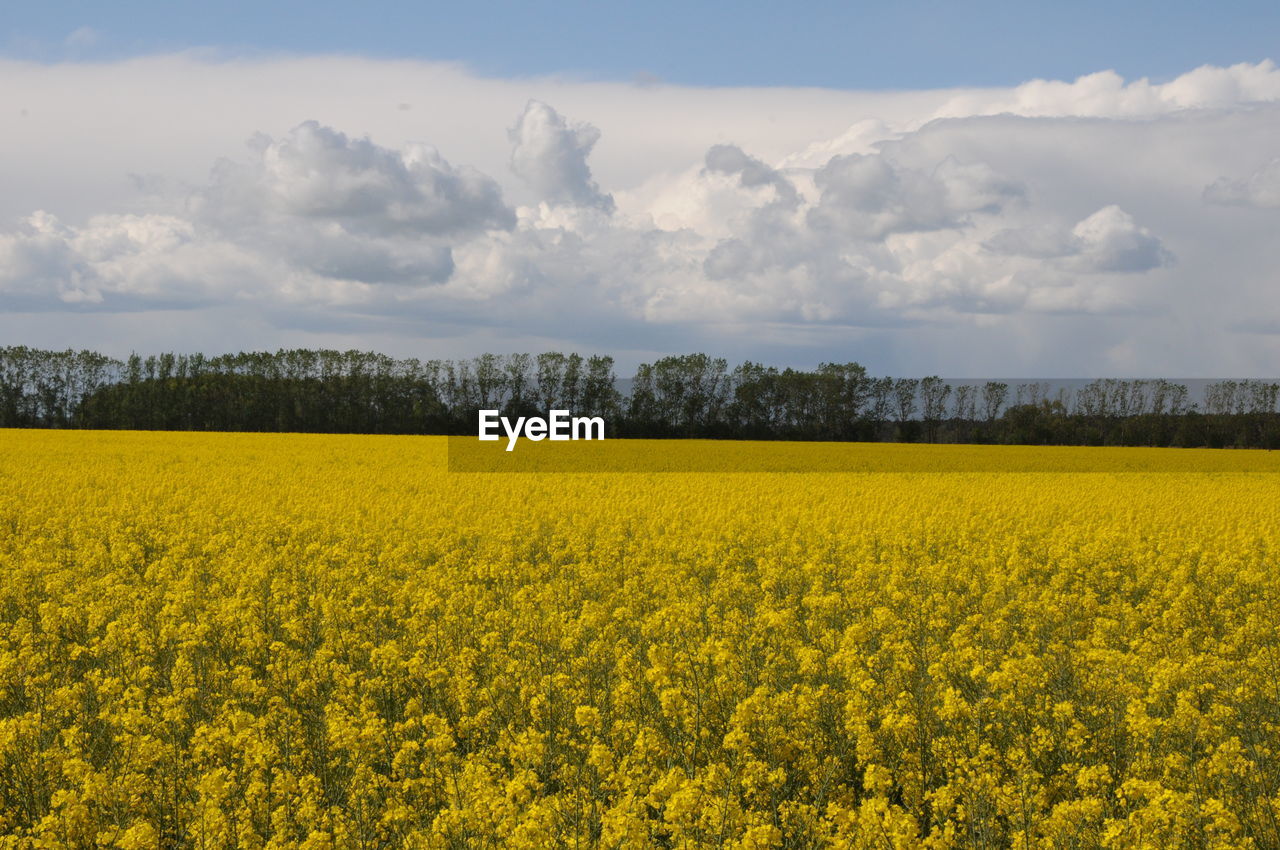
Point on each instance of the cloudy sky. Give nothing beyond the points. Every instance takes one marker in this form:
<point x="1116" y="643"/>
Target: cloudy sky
<point x="916" y="189"/>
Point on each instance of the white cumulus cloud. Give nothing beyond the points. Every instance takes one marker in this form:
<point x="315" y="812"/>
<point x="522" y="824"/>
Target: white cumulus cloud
<point x="1048" y="225"/>
<point x="1107" y="241"/>
<point x="550" y="154"/>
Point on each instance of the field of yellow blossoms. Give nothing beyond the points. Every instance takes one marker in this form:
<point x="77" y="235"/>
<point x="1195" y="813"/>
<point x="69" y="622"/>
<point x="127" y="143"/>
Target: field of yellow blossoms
<point x="242" y="641"/>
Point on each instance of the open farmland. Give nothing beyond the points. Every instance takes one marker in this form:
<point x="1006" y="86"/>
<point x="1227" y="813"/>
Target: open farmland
<point x="217" y="640"/>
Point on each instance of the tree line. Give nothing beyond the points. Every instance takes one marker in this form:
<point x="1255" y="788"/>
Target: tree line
<point x="693" y="395"/>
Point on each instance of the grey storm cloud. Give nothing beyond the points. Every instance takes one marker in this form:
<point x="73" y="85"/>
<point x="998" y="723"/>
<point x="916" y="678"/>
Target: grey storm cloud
<point x="550" y="154"/>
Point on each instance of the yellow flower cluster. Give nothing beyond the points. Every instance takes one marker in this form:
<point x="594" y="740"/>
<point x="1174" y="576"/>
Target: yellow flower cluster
<point x="243" y="641"/>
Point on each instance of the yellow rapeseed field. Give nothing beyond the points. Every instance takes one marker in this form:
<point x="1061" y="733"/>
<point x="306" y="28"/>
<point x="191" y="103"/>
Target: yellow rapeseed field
<point x="227" y="641"/>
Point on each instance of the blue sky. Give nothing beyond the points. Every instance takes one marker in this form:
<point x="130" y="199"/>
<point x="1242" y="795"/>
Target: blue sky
<point x="885" y="45"/>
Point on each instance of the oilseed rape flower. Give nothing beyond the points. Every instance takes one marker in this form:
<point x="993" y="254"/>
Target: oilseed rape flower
<point x="271" y="641"/>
